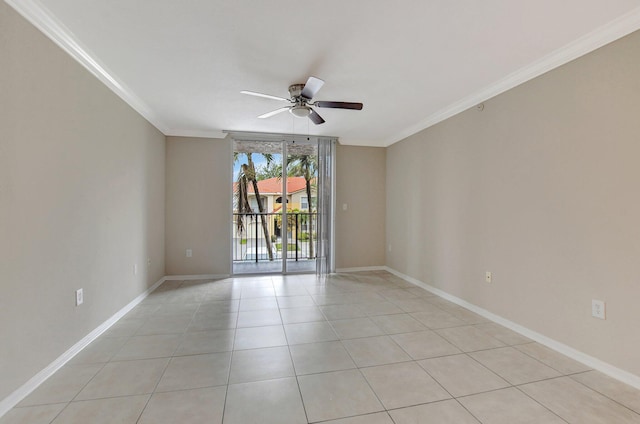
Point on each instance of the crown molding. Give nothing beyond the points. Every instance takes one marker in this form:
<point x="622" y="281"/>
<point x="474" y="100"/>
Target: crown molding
<point x="614" y="30"/>
<point x="40" y="17"/>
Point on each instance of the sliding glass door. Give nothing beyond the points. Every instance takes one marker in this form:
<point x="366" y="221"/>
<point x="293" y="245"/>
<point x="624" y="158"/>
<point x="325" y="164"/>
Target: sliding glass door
<point x="300" y="184"/>
<point x="257" y="169"/>
<point x="282" y="197"/>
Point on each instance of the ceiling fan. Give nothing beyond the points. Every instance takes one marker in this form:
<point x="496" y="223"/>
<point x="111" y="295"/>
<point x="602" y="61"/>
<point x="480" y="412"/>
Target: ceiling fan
<point x="301" y="96"/>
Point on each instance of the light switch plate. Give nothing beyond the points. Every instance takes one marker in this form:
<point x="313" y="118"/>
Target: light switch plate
<point x="598" y="309"/>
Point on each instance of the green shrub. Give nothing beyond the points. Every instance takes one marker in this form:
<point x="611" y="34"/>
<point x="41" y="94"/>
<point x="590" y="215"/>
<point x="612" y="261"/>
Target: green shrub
<point x="291" y="248"/>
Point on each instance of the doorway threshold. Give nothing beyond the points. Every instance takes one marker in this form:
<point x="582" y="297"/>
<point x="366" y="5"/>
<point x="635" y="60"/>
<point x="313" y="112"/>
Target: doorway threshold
<point x="274" y="267"/>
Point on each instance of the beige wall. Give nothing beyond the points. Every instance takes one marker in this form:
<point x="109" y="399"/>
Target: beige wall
<point x="81" y="202"/>
<point x="198" y="206"/>
<point x="542" y="189"/>
<point x="360" y="183"/>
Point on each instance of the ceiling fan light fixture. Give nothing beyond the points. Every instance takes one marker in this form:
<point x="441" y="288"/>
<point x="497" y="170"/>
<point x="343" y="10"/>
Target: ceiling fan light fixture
<point x="300" y="111"/>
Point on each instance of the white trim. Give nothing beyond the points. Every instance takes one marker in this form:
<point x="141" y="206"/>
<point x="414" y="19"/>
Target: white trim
<point x="595" y="363"/>
<point x="18" y="395"/>
<point x="196" y="277"/>
<point x="195" y="133"/>
<point x="41" y="18"/>
<point x="34" y="12"/>
<point x="362" y="268"/>
<point x="22" y="392"/>
<point x="614" y="30"/>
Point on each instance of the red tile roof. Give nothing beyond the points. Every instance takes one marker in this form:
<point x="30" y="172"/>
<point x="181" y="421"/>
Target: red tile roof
<point x="274" y="185"/>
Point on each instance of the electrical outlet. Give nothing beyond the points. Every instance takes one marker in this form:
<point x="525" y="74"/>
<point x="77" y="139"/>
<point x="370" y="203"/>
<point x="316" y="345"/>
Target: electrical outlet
<point x="189" y="253"/>
<point x="79" y="297"/>
<point x="488" y="276"/>
<point x="598" y="309"/>
<point x="135" y="269"/>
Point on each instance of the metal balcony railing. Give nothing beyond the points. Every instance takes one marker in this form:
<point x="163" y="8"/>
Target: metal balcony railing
<point x="249" y="244"/>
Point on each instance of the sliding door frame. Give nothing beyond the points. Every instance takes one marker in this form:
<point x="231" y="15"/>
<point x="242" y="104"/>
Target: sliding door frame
<point x="328" y="216"/>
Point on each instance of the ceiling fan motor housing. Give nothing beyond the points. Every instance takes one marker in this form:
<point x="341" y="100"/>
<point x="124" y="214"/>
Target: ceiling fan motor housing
<point x="300" y="109"/>
<point x="295" y="90"/>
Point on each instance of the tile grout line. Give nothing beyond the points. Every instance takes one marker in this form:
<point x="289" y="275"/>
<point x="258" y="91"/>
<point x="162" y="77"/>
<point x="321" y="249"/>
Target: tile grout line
<point x="293" y="365"/>
<point x="163" y="371"/>
<point x="599" y="392"/>
<point x="103" y="365"/>
<point x="233" y="350"/>
<point x="359" y="368"/>
<point x="410" y="361"/>
<point x="542" y="362"/>
<point x="466" y="354"/>
<point x="538" y="402"/>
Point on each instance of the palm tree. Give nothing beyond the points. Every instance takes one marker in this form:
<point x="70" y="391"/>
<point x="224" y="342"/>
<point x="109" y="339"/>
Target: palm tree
<point x="269" y="170"/>
<point x="305" y="166"/>
<point x="247" y="175"/>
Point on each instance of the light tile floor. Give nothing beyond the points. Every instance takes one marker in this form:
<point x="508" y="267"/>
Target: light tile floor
<point x="360" y="348"/>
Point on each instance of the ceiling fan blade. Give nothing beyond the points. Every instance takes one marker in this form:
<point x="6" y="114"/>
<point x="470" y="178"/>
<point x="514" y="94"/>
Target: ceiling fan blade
<point x="274" y="112"/>
<point x="315" y="118"/>
<point x="340" y="105"/>
<point x="266" y="96"/>
<point x="312" y="87"/>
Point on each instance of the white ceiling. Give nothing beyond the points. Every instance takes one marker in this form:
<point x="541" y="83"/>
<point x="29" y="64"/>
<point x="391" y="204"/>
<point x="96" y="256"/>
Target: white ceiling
<point x="412" y="63"/>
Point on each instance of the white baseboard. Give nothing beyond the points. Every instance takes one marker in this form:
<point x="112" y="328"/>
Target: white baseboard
<point x="595" y="363"/>
<point x="196" y="277"/>
<point x="362" y="268"/>
<point x="18" y="395"/>
<point x="22" y="392"/>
